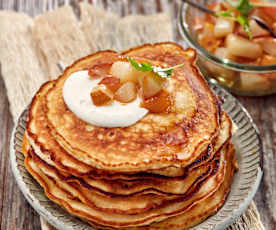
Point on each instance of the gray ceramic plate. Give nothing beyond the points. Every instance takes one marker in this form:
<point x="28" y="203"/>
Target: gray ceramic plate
<point x="244" y="187"/>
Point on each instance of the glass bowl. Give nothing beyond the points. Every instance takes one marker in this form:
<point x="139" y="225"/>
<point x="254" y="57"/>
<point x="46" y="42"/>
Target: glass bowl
<point x="251" y="80"/>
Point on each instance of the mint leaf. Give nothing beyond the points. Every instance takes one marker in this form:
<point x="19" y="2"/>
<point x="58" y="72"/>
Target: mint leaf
<point x="243" y="20"/>
<point x="145" y="67"/>
<point x="243" y="6"/>
<point x="140" y="66"/>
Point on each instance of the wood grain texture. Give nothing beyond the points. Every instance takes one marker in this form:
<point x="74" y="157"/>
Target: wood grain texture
<point x="263" y="112"/>
<point x="16" y="214"/>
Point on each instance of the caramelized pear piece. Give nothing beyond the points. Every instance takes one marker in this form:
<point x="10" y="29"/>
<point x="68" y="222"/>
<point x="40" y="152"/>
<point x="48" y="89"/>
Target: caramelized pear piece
<point x="112" y="83"/>
<point x="125" y="71"/>
<point x="159" y="103"/>
<point x="99" y="70"/>
<point x="100" y="95"/>
<point x="152" y="84"/>
<point x="126" y="93"/>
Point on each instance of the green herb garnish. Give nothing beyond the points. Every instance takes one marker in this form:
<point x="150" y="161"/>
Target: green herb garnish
<point x="145" y="67"/>
<point x="243" y="20"/>
<point x="140" y="66"/>
<point x="244" y="7"/>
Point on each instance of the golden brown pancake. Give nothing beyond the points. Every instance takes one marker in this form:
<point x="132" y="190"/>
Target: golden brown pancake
<point x="168" y="171"/>
<point x="145" y="184"/>
<point x="133" y="204"/>
<point x="127" y="204"/>
<point x="155" y="185"/>
<point x="25" y="146"/>
<point x="38" y="134"/>
<point x="157" y="140"/>
<point x="171" y="208"/>
<point x="55" y="155"/>
<point x="198" y="212"/>
<point x="48" y="149"/>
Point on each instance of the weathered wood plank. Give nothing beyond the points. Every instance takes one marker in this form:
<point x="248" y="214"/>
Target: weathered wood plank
<point x="15" y="212"/>
<point x="263" y="112"/>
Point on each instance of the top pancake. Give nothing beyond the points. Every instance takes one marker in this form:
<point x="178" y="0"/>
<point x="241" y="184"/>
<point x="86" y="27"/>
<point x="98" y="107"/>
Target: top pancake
<point x="49" y="150"/>
<point x="156" y="141"/>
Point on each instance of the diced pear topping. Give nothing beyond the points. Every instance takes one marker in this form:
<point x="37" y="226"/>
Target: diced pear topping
<point x="125" y="71"/>
<point x="99" y="70"/>
<point x="159" y="103"/>
<point x="122" y="80"/>
<point x="152" y="84"/>
<point x="112" y="83"/>
<point x="126" y="93"/>
<point x="101" y="96"/>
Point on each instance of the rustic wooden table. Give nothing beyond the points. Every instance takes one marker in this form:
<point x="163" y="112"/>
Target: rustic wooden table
<point x="16" y="213"/>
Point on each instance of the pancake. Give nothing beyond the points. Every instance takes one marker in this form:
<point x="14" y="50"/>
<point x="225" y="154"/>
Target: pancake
<point x="156" y="141"/>
<point x="168" y="170"/>
<point x="50" y="151"/>
<point x="45" y="145"/>
<point x="225" y="134"/>
<point x="48" y="148"/>
<point x="122" y="188"/>
<point x="25" y="146"/>
<point x="55" y="156"/>
<point x="198" y="212"/>
<point x="118" y="204"/>
<point x="165" y="210"/>
<point x="158" y="185"/>
<point x="74" y="190"/>
<point x="131" y="204"/>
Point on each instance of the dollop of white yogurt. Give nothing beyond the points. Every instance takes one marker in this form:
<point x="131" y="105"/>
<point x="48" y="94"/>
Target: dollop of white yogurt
<point x="76" y="94"/>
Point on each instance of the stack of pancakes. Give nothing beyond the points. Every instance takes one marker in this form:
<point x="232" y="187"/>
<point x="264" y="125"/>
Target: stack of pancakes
<point x="169" y="170"/>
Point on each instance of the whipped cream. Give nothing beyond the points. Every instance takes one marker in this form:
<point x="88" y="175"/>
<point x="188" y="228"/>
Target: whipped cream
<point x="76" y="94"/>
